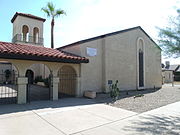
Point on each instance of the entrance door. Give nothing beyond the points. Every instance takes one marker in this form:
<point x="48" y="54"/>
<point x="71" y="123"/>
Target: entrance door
<point x="67" y="82"/>
<point x="38" y="88"/>
<point x="141" y="69"/>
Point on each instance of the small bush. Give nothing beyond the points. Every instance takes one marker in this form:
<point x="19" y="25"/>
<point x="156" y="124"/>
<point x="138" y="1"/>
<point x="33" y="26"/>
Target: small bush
<point x="47" y="82"/>
<point x="38" y="79"/>
<point x="115" y="92"/>
<point x="138" y="95"/>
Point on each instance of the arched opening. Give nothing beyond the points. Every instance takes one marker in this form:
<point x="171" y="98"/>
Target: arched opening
<point x="25" y="33"/>
<point x="8" y="83"/>
<point x="38" y="82"/>
<point x="30" y="76"/>
<point x="141" y="44"/>
<point x="35" y="35"/>
<point x="67" y="81"/>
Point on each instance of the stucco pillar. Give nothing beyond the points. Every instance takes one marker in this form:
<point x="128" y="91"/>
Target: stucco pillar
<point x="22" y="88"/>
<point x="55" y="82"/>
<point x="78" y="87"/>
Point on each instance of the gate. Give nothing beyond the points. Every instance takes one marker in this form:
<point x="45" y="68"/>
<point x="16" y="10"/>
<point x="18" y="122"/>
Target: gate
<point x="39" y="91"/>
<point x="67" y="82"/>
<point x="8" y="86"/>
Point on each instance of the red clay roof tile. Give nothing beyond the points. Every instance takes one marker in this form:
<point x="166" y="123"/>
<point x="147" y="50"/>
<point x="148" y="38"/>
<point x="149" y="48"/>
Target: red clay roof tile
<point x="27" y="15"/>
<point x="38" y="53"/>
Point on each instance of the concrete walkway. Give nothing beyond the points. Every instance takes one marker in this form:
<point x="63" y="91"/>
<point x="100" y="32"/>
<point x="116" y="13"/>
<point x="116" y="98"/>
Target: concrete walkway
<point x="84" y="117"/>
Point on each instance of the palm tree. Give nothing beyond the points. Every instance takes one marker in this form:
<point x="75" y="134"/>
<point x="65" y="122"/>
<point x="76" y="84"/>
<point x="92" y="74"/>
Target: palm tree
<point x="52" y="12"/>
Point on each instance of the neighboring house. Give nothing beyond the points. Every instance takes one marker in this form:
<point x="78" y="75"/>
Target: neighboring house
<point x="167" y="76"/>
<point x="129" y="56"/>
<point x="171" y="73"/>
<point x="177" y="75"/>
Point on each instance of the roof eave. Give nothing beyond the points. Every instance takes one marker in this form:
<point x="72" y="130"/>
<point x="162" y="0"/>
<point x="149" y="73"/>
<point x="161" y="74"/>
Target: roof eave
<point x="16" y="14"/>
<point x="151" y="39"/>
<point x="40" y="58"/>
<point x="108" y="34"/>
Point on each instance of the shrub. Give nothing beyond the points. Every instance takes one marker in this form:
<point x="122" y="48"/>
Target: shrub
<point x="38" y="79"/>
<point x="138" y="95"/>
<point x="115" y="92"/>
<point x="47" y="82"/>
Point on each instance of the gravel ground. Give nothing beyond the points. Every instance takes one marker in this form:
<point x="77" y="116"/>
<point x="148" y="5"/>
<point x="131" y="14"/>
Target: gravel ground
<point x="151" y="99"/>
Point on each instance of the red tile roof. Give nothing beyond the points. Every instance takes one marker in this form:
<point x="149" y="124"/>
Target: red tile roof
<point x="39" y="53"/>
<point x="27" y="15"/>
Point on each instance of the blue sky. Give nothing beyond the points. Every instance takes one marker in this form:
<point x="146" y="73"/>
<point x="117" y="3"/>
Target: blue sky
<point x="89" y="18"/>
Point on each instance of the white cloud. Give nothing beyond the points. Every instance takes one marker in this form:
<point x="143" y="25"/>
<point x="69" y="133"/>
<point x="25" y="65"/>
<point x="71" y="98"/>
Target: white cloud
<point x="172" y="60"/>
<point x="88" y="18"/>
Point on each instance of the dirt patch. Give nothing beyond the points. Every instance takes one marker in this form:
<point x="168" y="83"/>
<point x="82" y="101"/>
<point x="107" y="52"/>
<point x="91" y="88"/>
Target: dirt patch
<point x="146" y="100"/>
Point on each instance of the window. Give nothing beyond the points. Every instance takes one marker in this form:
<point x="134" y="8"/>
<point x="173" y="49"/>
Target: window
<point x="25" y="33"/>
<point x="141" y="68"/>
<point x="35" y="35"/>
<point x="91" y="51"/>
<point x="140" y="63"/>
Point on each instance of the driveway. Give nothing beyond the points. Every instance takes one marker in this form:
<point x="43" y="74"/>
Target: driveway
<point x="37" y="92"/>
<point x="84" y="117"/>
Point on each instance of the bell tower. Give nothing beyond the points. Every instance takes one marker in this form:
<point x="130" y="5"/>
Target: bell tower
<point x="27" y="29"/>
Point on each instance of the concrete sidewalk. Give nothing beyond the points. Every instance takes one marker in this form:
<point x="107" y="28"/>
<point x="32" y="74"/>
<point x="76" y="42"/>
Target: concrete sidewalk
<point x="84" y="117"/>
<point x="162" y="121"/>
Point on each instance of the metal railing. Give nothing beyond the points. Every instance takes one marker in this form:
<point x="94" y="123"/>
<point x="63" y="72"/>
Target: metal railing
<point x="8" y="88"/>
<point x="27" y="39"/>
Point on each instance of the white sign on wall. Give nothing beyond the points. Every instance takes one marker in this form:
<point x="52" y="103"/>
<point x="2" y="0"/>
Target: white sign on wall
<point x="91" y="51"/>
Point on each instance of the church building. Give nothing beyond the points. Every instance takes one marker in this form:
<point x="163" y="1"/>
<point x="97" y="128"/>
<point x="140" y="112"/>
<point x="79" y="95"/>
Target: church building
<point x="30" y="71"/>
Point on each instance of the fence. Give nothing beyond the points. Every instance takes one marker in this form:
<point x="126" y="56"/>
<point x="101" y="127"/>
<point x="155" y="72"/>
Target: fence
<point x="8" y="87"/>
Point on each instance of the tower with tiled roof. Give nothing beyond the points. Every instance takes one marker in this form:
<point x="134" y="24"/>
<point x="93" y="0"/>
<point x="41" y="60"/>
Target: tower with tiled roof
<point x="27" y="29"/>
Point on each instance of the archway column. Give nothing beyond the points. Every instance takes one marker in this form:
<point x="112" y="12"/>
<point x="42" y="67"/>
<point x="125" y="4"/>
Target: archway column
<point x="22" y="88"/>
<point x="55" y="82"/>
<point x="78" y="87"/>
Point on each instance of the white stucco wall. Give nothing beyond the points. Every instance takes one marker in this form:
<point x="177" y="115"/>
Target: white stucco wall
<point x="122" y="57"/>
<point x="153" y="71"/>
<point x="167" y="76"/>
<point x="121" y="60"/>
<point x="31" y="23"/>
<point x="117" y="59"/>
<point x="91" y="73"/>
<point x="74" y="49"/>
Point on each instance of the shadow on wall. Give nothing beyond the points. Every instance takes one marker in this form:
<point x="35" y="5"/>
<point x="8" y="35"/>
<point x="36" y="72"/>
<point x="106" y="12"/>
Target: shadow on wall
<point x="105" y="97"/>
<point x="131" y="93"/>
<point x="155" y="125"/>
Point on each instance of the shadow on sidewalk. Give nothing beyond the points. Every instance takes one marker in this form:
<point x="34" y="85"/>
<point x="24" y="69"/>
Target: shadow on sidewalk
<point x="35" y="105"/>
<point x="67" y="102"/>
<point x="155" y="125"/>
